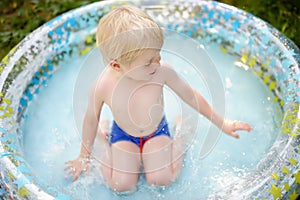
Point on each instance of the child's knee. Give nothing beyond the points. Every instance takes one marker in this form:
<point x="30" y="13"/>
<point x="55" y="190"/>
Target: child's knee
<point x="120" y="188"/>
<point x="123" y="184"/>
<point x="159" y="178"/>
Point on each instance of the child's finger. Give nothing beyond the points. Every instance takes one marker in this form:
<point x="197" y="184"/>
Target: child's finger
<point x="77" y="174"/>
<point x="85" y="168"/>
<point x="249" y="127"/>
<point x="235" y="135"/>
<point x="238" y="125"/>
<point x="69" y="162"/>
<point x="67" y="168"/>
<point x="70" y="165"/>
<point x="70" y="173"/>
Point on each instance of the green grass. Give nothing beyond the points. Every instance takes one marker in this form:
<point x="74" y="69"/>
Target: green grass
<point x="18" y="17"/>
<point x="282" y="14"/>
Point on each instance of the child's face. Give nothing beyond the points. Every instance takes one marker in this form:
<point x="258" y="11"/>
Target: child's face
<point x="144" y="67"/>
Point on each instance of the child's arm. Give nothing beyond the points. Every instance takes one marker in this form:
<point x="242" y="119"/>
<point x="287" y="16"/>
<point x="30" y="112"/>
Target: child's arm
<point x="89" y="132"/>
<point x="91" y="120"/>
<point x="196" y="101"/>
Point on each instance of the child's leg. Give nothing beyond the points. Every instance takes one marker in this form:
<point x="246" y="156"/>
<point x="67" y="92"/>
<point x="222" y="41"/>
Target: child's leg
<point x="162" y="158"/>
<point x="120" y="164"/>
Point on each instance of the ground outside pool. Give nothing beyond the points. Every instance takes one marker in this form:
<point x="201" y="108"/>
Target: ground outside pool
<point x="239" y="63"/>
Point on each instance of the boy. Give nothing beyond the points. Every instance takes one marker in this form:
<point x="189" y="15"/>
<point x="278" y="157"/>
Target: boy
<point x="132" y="86"/>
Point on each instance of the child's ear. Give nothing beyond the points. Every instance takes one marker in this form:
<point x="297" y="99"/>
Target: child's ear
<point x="115" y="65"/>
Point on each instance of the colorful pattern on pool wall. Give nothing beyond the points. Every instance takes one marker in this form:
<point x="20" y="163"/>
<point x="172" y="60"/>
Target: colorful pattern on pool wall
<point x="261" y="49"/>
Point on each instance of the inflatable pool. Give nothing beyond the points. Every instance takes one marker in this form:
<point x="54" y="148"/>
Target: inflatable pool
<point x="257" y="67"/>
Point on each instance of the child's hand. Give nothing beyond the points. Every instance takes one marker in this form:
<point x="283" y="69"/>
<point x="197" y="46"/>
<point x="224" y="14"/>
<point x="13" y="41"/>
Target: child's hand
<point x="77" y="166"/>
<point x="229" y="127"/>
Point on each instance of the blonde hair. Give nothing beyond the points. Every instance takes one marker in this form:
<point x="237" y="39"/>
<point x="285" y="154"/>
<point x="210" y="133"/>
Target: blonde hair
<point x="125" y="32"/>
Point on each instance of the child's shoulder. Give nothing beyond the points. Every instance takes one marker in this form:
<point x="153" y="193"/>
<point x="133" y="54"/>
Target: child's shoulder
<point x="104" y="81"/>
<point x="168" y="73"/>
<point x="166" y="69"/>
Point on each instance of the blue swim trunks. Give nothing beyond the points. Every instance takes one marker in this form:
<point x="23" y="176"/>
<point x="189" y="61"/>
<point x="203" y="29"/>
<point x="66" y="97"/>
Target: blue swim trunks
<point x="117" y="134"/>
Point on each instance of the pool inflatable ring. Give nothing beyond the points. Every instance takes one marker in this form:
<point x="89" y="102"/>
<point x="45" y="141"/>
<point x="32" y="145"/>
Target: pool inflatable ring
<point x="266" y="52"/>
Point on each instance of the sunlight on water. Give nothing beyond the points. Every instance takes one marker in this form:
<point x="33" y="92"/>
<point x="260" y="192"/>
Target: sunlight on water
<point x="52" y="136"/>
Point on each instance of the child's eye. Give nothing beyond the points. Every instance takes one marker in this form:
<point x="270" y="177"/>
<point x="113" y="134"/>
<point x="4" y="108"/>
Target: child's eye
<point x="147" y="64"/>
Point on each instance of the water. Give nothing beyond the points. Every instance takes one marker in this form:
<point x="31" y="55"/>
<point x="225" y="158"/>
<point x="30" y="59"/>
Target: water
<point x="51" y="133"/>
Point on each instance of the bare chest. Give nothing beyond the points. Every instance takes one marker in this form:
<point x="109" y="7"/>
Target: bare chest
<point x="137" y="108"/>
